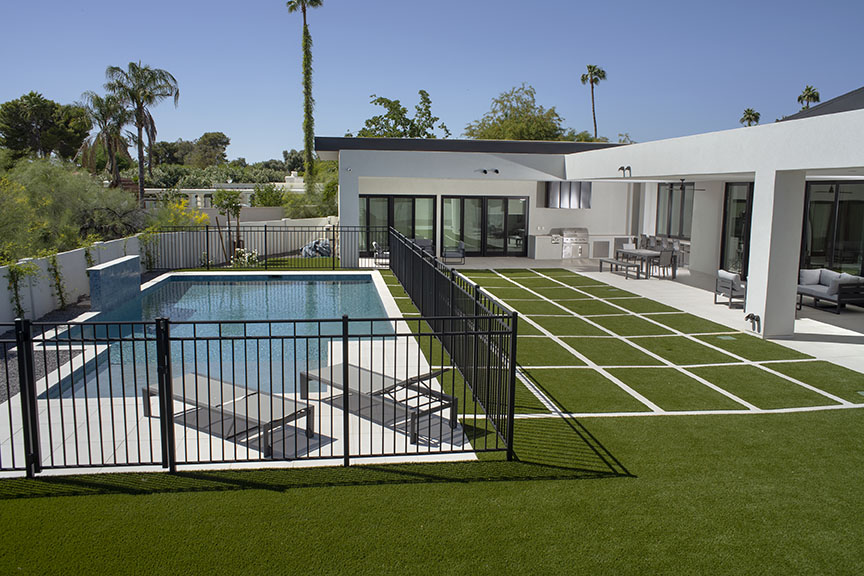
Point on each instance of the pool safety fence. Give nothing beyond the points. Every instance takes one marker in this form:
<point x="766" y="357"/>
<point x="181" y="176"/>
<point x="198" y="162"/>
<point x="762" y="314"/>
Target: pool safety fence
<point x="173" y="394"/>
<point x="263" y="247"/>
<point x="441" y="294"/>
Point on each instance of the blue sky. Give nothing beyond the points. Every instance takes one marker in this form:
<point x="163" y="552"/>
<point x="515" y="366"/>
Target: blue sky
<point x="674" y="68"/>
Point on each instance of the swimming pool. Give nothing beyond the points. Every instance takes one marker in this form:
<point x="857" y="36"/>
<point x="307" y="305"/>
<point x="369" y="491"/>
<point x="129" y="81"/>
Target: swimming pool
<point x="256" y="330"/>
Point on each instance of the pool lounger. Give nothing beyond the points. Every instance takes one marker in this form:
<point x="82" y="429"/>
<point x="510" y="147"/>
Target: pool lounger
<point x="369" y="383"/>
<point x="260" y="411"/>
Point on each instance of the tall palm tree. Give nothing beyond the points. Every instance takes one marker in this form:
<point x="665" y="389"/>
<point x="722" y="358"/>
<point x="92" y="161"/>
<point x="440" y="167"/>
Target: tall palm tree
<point x="594" y="75"/>
<point x="808" y="96"/>
<point x="139" y="88"/>
<point x="750" y="117"/>
<point x="109" y="115"/>
<point x="308" y="101"/>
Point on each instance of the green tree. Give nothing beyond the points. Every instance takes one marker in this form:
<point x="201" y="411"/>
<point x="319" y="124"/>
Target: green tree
<point x="267" y="195"/>
<point x="515" y="115"/>
<point x="32" y="124"/>
<point x="308" y="101"/>
<point x="750" y="117"/>
<point x="593" y="77"/>
<point x="108" y="115"/>
<point x="140" y="88"/>
<point x="395" y="122"/>
<point x="293" y="160"/>
<point x="171" y="152"/>
<point x="808" y="96"/>
<point x="228" y="204"/>
<point x="209" y="150"/>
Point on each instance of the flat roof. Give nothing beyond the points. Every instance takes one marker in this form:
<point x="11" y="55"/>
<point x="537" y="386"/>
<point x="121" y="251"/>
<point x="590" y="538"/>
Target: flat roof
<point x="853" y="100"/>
<point x="333" y="145"/>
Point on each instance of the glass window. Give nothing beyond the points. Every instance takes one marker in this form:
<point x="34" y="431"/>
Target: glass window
<point x="516" y="239"/>
<point x="495" y="225"/>
<point x="403" y="216"/>
<point x="378" y="212"/>
<point x="452" y="211"/>
<point x="662" y="209"/>
<point x="736" y="227"/>
<point x="849" y="244"/>
<point x="424" y="218"/>
<point x="473" y="230"/>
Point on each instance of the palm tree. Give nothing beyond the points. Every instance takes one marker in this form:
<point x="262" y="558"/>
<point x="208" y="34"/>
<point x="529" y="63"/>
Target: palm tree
<point x="750" y="117"/>
<point x="594" y="75"/>
<point x="308" y="101"/>
<point x="109" y="115"/>
<point x="139" y="88"/>
<point x="808" y="96"/>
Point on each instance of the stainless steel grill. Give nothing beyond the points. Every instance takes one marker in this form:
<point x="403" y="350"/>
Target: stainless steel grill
<point x="574" y="242"/>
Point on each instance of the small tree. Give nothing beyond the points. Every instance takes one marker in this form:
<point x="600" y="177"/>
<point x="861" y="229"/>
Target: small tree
<point x="267" y="195"/>
<point x="228" y="204"/>
<point x="395" y="122"/>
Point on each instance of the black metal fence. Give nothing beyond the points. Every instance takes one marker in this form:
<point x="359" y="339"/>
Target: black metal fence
<point x="488" y="363"/>
<point x="103" y="395"/>
<point x="263" y="247"/>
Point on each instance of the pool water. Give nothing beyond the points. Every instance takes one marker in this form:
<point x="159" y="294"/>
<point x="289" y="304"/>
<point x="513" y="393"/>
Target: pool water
<point x="254" y="331"/>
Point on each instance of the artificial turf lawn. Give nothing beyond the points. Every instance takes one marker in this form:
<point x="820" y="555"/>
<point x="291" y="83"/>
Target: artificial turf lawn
<point x="629" y="325"/>
<point x="508" y="293"/>
<point x="607" y="292"/>
<point x="837" y="380"/>
<point x="751" y="347"/>
<point x="580" y="390"/>
<point x="531" y="307"/>
<point x="751" y="494"/>
<point x="544" y="352"/>
<point x="610" y="352"/>
<point x="565" y="326"/>
<point x="536" y="282"/>
<point x="405" y="304"/>
<point x="688" y="323"/>
<point x="579" y="281"/>
<point x="760" y="388"/>
<point x="643" y="305"/>
<point x="682" y="351"/>
<point x="590" y="307"/>
<point x="560" y="293"/>
<point x="671" y="390"/>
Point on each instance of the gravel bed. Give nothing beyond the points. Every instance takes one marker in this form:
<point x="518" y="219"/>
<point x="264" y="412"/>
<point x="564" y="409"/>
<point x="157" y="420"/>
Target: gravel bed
<point x="43" y="363"/>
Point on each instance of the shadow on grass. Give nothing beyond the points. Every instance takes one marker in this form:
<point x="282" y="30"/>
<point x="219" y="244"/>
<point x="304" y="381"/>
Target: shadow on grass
<point x="546" y="449"/>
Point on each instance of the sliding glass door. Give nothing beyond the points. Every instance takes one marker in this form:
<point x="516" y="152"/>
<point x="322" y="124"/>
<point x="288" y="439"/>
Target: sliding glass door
<point x="489" y="226"/>
<point x="413" y="216"/>
<point x="734" y="248"/>
<point x="833" y="234"/>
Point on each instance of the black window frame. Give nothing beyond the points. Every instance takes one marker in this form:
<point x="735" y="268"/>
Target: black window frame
<point x="668" y="189"/>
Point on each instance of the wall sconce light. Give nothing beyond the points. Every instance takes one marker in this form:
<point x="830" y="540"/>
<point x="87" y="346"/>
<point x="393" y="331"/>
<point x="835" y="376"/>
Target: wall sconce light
<point x="494" y="171"/>
<point x="624" y="170"/>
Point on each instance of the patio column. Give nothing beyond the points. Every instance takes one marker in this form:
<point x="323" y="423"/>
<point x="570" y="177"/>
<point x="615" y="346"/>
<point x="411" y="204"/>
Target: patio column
<point x="349" y="210"/>
<point x="775" y="249"/>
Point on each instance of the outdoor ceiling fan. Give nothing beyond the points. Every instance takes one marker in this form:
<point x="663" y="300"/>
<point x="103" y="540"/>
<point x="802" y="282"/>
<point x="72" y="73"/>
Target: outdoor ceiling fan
<point x="694" y="187"/>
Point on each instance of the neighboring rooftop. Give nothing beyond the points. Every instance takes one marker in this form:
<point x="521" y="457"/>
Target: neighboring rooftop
<point x="853" y="100"/>
<point x="329" y="147"/>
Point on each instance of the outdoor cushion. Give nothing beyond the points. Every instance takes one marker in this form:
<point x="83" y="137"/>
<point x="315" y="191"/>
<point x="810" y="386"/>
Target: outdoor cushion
<point x="814" y="290"/>
<point x="827" y="276"/>
<point x="808" y="277"/>
<point x="844" y="278"/>
<point x="734" y="278"/>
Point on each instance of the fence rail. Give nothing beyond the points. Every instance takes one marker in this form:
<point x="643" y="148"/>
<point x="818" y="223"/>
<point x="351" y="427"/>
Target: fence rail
<point x="441" y="294"/>
<point x="262" y="247"/>
<point x="101" y="395"/>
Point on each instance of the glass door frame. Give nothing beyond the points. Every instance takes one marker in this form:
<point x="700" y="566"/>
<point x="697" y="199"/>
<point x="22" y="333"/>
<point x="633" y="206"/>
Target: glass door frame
<point x="745" y="255"/>
<point x="831" y="239"/>
<point x="390" y="213"/>
<point x="484" y="222"/>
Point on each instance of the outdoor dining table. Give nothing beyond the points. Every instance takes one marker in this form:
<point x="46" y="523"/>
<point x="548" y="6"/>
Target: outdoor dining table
<point x="645" y="257"/>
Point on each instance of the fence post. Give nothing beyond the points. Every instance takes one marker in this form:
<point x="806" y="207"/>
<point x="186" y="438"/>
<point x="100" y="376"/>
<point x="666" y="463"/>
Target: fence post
<point x="207" y="245"/>
<point x="346" y="396"/>
<point x="265" y="247"/>
<point x="166" y="398"/>
<point x="333" y="250"/>
<point x="511" y="395"/>
<point x="476" y="335"/>
<point x="27" y="384"/>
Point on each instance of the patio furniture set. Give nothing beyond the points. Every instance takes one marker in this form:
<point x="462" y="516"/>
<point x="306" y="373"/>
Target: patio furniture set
<point x="645" y="257"/>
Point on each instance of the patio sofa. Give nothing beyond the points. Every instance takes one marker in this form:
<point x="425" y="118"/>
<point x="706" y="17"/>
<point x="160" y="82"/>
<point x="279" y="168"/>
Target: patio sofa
<point x="835" y="287"/>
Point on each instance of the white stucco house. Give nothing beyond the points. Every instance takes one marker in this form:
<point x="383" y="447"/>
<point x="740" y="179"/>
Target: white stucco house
<point x="763" y="200"/>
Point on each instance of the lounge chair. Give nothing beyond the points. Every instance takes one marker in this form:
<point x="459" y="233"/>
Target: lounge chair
<point x="374" y="384"/>
<point x="256" y="411"/>
<point x="729" y="284"/>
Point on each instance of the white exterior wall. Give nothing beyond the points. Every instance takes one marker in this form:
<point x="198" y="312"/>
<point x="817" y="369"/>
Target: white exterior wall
<point x="37" y="293"/>
<point x="706" y="227"/>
